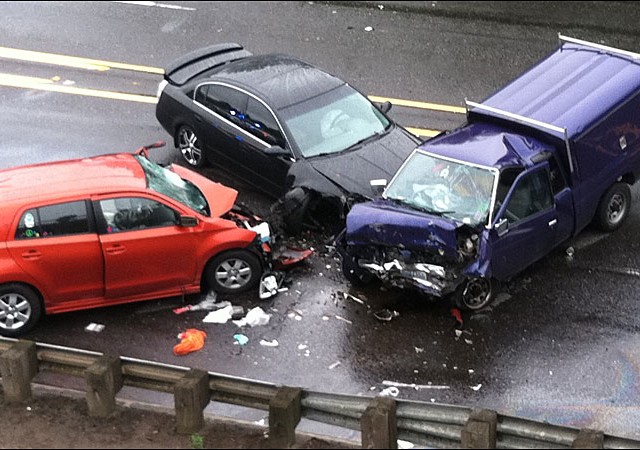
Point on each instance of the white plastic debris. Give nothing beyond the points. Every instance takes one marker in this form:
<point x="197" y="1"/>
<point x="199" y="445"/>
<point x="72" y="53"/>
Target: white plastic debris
<point x="458" y="333"/>
<point x="368" y="28"/>
<point x="419" y="349"/>
<point x="344" y="320"/>
<point x="209" y="303"/>
<point x="223" y="315"/>
<point x="254" y="318"/>
<point x="385" y="315"/>
<point x="262" y="230"/>
<point x="390" y="392"/>
<point x="404" y="444"/>
<point x="334" y="365"/>
<point x="381" y="7"/>
<point x="468" y="341"/>
<point x="302" y="346"/>
<point x="95" y="327"/>
<point x="417" y="387"/>
<point x="351" y="297"/>
<point x="476" y="388"/>
<point x="570" y="253"/>
<point x="268" y="287"/>
<point x="271" y="343"/>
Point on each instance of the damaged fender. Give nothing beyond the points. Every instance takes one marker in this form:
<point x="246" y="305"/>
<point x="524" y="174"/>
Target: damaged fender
<point x="306" y="189"/>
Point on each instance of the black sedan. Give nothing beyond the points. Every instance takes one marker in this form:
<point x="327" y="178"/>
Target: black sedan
<point x="294" y="131"/>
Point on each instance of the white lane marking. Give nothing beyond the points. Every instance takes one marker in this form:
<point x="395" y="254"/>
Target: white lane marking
<point x="158" y="5"/>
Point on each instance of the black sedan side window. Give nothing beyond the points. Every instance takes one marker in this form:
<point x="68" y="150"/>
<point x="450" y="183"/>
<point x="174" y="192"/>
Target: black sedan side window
<point x="261" y="123"/>
<point x="229" y="103"/>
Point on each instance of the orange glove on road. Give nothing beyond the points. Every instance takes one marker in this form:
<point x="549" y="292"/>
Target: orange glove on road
<point x="192" y="340"/>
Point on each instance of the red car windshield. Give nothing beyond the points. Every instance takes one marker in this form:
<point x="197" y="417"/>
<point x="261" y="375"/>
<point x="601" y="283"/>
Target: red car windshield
<point x="168" y="183"/>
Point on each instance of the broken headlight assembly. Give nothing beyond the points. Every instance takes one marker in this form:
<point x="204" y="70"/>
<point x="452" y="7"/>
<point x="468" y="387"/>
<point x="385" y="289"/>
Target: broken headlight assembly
<point x="468" y="245"/>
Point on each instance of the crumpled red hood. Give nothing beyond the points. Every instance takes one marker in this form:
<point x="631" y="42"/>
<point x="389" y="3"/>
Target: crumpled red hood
<point x="220" y="197"/>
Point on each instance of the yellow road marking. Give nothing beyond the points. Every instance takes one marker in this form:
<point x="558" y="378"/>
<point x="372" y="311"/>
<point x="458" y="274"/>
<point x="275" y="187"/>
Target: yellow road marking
<point x="45" y="84"/>
<point x="73" y="61"/>
<point x="8" y="79"/>
<point x="48" y="84"/>
<point x="422" y="132"/>
<point x="421" y="105"/>
<point x="101" y="65"/>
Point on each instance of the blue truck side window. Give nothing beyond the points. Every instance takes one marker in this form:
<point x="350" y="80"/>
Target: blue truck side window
<point x="531" y="195"/>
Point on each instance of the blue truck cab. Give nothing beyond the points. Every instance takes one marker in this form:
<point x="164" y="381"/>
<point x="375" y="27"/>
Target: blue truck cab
<point x="535" y="163"/>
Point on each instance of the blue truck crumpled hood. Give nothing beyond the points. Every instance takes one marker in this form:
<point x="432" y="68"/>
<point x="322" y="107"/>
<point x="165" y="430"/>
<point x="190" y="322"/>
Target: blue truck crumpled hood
<point x="381" y="222"/>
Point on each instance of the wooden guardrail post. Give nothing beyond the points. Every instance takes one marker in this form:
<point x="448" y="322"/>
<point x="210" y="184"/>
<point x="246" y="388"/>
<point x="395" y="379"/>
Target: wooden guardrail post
<point x="480" y="431"/>
<point x="103" y="381"/>
<point x="378" y="424"/>
<point x="589" y="439"/>
<point x="285" y="411"/>
<point x="18" y="366"/>
<point x="191" y="395"/>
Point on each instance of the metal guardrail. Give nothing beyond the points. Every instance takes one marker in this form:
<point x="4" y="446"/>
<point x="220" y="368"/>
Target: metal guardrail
<point x="425" y="424"/>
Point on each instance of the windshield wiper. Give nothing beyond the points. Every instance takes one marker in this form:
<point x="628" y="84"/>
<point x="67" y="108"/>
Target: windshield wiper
<point x="403" y="202"/>
<point x="375" y="136"/>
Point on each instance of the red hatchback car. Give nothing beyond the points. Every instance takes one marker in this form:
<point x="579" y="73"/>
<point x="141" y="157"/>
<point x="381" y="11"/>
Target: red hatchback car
<point x="115" y="229"/>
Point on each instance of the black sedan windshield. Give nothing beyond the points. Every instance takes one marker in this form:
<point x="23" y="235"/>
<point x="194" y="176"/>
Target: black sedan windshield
<point x="333" y="121"/>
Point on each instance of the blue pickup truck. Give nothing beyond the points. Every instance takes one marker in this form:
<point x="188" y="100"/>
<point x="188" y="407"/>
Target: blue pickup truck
<point x="535" y="163"/>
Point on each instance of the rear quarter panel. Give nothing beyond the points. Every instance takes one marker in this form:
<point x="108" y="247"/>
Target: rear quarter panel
<point x="173" y="109"/>
<point x="601" y="158"/>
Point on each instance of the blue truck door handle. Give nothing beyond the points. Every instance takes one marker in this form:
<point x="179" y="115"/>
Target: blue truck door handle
<point x="553" y="222"/>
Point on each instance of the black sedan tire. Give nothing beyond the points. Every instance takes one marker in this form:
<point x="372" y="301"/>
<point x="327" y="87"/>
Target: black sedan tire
<point x="614" y="207"/>
<point x="20" y="309"/>
<point x="190" y="147"/>
<point x="233" y="271"/>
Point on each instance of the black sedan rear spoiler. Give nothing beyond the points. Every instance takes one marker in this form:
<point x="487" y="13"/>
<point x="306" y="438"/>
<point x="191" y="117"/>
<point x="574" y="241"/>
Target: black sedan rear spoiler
<point x="194" y="63"/>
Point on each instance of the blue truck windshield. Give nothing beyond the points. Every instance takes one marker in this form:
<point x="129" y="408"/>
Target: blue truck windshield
<point x="443" y="187"/>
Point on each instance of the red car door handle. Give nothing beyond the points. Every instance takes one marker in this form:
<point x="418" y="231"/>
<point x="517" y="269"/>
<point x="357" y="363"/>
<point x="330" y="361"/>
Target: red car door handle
<point x="32" y="254"/>
<point x="115" y="250"/>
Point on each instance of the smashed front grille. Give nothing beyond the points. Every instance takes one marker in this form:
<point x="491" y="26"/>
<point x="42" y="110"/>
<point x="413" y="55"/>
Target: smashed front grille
<point x="429" y="272"/>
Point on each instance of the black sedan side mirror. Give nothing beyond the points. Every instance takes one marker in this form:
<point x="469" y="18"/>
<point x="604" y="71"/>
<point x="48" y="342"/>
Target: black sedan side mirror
<point x="384" y="107"/>
<point x="276" y="150"/>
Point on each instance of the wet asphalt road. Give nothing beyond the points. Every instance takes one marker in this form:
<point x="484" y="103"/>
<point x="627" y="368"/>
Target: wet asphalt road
<point x="560" y="344"/>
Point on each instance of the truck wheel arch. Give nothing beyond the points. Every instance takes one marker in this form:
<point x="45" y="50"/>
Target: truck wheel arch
<point x="613" y="207"/>
<point x="475" y="293"/>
